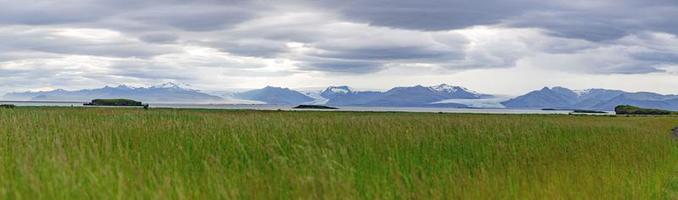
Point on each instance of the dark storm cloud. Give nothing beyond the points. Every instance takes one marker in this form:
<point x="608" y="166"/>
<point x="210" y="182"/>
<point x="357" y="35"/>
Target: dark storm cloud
<point x="592" y="20"/>
<point x="431" y="14"/>
<point x="658" y="57"/>
<point x="148" y="71"/>
<point x="627" y="69"/>
<point x="159" y="38"/>
<point x="372" y="59"/>
<point x="29" y="27"/>
<point x="50" y="41"/>
<point x="602" y="22"/>
<point x="391" y="53"/>
<point x="194" y="17"/>
<point x="342" y="66"/>
<point x="50" y="12"/>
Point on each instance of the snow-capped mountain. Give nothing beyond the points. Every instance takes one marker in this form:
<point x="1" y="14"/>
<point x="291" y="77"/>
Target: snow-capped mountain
<point x="416" y="96"/>
<point x="596" y="99"/>
<point x="457" y="92"/>
<point x="169" y="85"/>
<point x="400" y="96"/>
<point x="345" y="96"/>
<point x="333" y="91"/>
<point x="556" y="97"/>
<point x="164" y="93"/>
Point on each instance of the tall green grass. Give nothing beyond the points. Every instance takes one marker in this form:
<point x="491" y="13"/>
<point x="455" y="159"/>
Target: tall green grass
<point x="71" y="153"/>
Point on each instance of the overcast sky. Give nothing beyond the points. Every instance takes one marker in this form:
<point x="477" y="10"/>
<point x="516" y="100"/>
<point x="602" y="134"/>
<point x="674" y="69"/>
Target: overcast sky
<point x="492" y="46"/>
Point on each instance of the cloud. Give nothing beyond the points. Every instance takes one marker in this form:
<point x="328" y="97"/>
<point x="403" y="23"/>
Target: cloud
<point x="159" y="38"/>
<point x="614" y="59"/>
<point x="342" y="66"/>
<point x="74" y="41"/>
<point x="591" y="20"/>
<point x="602" y="20"/>
<point x="193" y="17"/>
<point x="433" y="15"/>
<point x="50" y="12"/>
<point x="320" y="43"/>
<point x="252" y="47"/>
<point x="79" y="42"/>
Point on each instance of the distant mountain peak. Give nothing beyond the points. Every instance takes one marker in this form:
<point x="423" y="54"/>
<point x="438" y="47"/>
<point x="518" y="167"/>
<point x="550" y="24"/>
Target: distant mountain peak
<point x="275" y="95"/>
<point x="458" y="91"/>
<point x="444" y="85"/>
<point x="449" y="88"/>
<point x="334" y="91"/>
<point x="597" y="99"/>
<point x="123" y="86"/>
<point x="274" y="87"/>
<point x="171" y="85"/>
<point x="339" y="89"/>
<point x="583" y="92"/>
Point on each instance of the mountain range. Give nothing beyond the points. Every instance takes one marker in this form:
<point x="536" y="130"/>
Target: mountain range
<point x="594" y="99"/>
<point x="459" y="97"/>
<point x="415" y="96"/>
<point x="165" y="93"/>
<point x="274" y="95"/>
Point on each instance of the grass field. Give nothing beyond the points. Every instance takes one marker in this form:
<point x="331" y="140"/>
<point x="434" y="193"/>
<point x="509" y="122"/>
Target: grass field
<point x="67" y="153"/>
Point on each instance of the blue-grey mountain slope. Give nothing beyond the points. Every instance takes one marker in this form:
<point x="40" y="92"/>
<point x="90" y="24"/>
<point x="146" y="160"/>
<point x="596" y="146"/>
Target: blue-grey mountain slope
<point x="595" y="99"/>
<point x="416" y="96"/>
<point x="345" y="96"/>
<point x="641" y="99"/>
<point x="165" y="93"/>
<point x="556" y="97"/>
<point x="275" y="95"/>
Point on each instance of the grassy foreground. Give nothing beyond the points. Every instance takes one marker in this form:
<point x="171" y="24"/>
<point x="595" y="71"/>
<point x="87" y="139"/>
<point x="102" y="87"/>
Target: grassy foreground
<point x="66" y="153"/>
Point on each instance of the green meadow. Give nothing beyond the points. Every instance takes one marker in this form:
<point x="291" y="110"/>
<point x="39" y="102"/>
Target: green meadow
<point x="107" y="153"/>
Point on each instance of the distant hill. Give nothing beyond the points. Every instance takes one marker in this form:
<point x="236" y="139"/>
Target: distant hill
<point x="165" y="93"/>
<point x="596" y="99"/>
<point x="275" y="95"/>
<point x="634" y="110"/>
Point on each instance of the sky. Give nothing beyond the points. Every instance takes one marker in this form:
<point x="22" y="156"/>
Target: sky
<point x="492" y="46"/>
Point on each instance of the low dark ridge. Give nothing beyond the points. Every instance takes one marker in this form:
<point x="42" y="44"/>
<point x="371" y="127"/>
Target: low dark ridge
<point x="314" y="107"/>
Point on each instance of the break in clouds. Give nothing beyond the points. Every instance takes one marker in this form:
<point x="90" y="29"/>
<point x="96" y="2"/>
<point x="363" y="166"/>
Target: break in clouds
<point x="216" y="44"/>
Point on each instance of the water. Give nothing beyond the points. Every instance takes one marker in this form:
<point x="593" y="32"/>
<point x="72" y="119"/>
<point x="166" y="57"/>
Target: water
<point x="44" y="103"/>
<point x="288" y="108"/>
